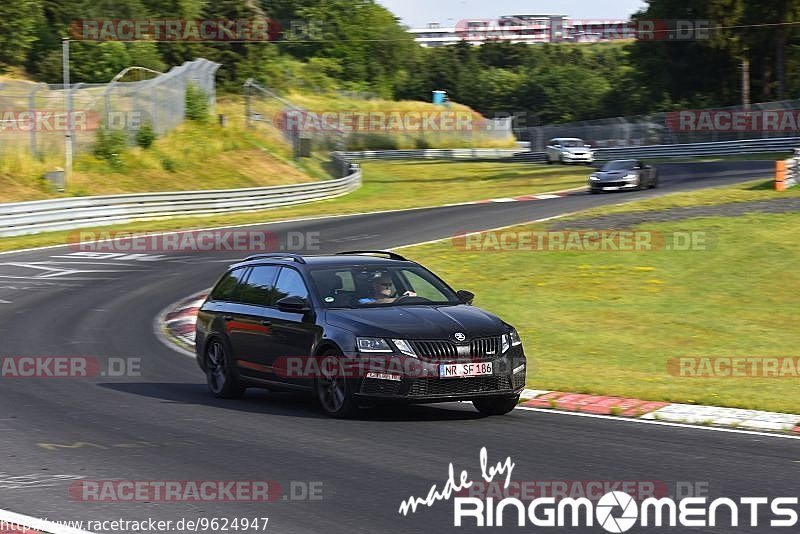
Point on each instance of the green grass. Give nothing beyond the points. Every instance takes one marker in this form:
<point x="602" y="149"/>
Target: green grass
<point x="608" y="322"/>
<point x="387" y="186"/>
<point x="193" y="156"/>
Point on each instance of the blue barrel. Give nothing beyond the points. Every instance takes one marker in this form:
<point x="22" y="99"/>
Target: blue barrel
<point x="439" y="97"/>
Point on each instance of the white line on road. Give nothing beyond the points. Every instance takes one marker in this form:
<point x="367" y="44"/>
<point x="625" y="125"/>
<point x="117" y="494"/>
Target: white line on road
<point x="38" y="524"/>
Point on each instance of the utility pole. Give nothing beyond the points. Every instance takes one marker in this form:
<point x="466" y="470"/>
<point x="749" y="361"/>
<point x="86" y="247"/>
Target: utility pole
<point x="746" y="84"/>
<point x="68" y="108"/>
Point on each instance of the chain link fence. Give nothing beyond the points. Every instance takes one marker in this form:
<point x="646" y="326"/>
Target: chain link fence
<point x="34" y="117"/>
<point x="350" y="126"/>
<point x="676" y="127"/>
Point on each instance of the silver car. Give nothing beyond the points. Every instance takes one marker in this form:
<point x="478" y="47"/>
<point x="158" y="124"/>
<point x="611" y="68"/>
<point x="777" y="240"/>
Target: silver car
<point x="569" y="150"/>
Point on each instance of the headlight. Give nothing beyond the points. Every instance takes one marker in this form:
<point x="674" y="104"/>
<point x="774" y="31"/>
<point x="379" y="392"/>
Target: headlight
<point x="404" y="347"/>
<point x="372" y="344"/>
<point x="631" y="178"/>
<point x="594" y="178"/>
<point x="510" y="340"/>
<point x="564" y="153"/>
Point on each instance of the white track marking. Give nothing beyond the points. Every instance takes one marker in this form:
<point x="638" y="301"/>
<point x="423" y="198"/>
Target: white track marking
<point x="38" y="524"/>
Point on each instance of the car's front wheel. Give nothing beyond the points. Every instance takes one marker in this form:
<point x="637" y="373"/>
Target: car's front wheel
<point x="221" y="375"/>
<point x="334" y="389"/>
<point x="496" y="405"/>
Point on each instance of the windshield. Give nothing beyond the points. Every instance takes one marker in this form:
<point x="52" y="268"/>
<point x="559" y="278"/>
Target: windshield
<point x="624" y="165"/>
<point x="370" y="286"/>
<point x="571" y="143"/>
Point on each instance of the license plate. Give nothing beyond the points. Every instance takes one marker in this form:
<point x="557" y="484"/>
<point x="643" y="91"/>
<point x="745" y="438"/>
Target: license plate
<point x="463" y="370"/>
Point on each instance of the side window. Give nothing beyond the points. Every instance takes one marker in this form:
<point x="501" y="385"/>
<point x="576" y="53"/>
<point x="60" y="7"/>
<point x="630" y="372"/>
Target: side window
<point x="259" y="289"/>
<point x="226" y="288"/>
<point x="422" y="287"/>
<point x="290" y="284"/>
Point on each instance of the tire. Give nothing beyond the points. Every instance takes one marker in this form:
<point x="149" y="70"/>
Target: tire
<point x="594" y="191"/>
<point x="496" y="405"/>
<point x="221" y="374"/>
<point x="654" y="185"/>
<point x="335" y="392"/>
<point x="549" y="161"/>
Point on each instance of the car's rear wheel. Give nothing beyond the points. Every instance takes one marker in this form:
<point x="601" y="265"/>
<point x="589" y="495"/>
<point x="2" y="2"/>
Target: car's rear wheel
<point x="221" y="375"/>
<point x="496" y="405"/>
<point x="334" y="389"/>
<point x="654" y="185"/>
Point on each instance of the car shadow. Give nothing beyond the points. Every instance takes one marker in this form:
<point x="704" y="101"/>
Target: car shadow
<point x="291" y="404"/>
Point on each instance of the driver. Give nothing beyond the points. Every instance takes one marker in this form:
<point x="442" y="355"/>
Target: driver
<point x="383" y="289"/>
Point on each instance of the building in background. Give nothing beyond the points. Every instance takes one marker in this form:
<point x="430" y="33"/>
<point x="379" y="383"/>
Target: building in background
<point x="528" y="29"/>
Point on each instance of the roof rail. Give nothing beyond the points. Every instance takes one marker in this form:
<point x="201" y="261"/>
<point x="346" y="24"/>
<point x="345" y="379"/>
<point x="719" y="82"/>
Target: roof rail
<point x="277" y="255"/>
<point x="391" y="255"/>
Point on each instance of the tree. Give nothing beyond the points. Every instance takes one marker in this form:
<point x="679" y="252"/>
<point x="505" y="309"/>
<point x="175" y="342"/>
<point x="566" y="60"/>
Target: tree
<point x="19" y="22"/>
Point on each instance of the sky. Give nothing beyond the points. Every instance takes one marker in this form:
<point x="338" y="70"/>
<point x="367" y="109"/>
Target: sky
<point x="418" y="13"/>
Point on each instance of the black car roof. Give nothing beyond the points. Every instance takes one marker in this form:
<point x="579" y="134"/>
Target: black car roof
<point x="325" y="260"/>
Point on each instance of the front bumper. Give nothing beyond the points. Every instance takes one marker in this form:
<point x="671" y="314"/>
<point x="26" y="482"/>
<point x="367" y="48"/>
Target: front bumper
<point x="422" y="383"/>
<point x="612" y="186"/>
<point x="578" y="158"/>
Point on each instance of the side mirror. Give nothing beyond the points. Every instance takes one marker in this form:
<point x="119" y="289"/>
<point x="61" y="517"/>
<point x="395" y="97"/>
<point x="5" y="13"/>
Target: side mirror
<point x="293" y="305"/>
<point x="466" y="296"/>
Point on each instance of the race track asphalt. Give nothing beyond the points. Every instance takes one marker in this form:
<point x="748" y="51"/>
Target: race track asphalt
<point x="163" y="425"/>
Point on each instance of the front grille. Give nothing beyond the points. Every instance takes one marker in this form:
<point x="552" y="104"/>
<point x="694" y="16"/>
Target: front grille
<point x="373" y="386"/>
<point x="485" y="348"/>
<point x="435" y="350"/>
<point x="480" y="349"/>
<point x="612" y="184"/>
<point x="459" y="386"/>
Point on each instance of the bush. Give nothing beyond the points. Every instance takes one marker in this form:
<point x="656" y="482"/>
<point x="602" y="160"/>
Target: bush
<point x="196" y="104"/>
<point x="422" y="143"/>
<point x="110" y="144"/>
<point x="145" y="135"/>
<point x="168" y="165"/>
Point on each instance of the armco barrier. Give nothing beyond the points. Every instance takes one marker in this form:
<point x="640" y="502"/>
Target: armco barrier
<point x="70" y="213"/>
<point x="723" y="148"/>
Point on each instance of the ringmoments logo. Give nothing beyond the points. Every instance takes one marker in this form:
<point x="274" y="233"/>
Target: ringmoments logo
<point x="615" y="511"/>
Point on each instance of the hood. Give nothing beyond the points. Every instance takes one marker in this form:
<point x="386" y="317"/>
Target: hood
<point x="417" y="322"/>
<point x="576" y="150"/>
<point x="612" y="175"/>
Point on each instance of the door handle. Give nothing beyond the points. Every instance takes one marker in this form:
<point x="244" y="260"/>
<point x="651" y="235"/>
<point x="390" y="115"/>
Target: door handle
<point x="266" y="322"/>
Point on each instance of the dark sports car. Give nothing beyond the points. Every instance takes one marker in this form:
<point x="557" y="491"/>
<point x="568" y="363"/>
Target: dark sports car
<point x="623" y="174"/>
<point x="354" y="328"/>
